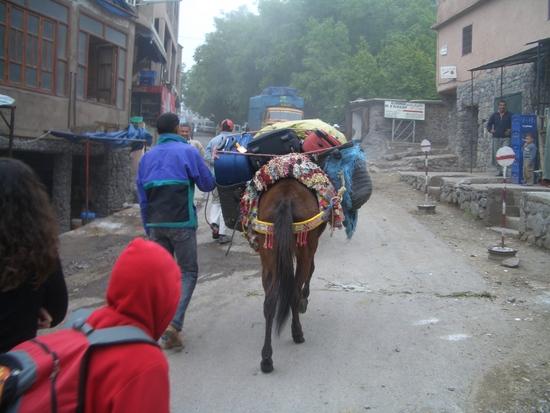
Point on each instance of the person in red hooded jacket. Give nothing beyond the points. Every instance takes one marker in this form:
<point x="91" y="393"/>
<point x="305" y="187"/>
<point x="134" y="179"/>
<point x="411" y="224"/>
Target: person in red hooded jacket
<point x="144" y="291"/>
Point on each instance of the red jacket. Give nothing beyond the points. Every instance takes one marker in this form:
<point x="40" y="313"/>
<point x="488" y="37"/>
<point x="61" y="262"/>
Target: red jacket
<point x="143" y="291"/>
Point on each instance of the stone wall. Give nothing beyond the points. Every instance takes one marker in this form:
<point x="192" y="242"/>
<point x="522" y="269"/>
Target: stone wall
<point x="61" y="190"/>
<point x="375" y="130"/>
<point x="112" y="181"/>
<point x="535" y="218"/>
<point x="111" y="177"/>
<point x="472" y="120"/>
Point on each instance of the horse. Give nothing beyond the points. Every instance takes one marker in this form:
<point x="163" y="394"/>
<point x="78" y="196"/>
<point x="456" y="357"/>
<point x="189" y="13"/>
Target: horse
<point x="286" y="288"/>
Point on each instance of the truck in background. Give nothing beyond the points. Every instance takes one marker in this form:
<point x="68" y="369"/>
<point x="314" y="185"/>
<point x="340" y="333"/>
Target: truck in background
<point x="274" y="104"/>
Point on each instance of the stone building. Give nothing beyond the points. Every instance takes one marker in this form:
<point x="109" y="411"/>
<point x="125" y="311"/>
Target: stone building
<point x="69" y="65"/>
<point x="489" y="50"/>
<point x="365" y="121"/>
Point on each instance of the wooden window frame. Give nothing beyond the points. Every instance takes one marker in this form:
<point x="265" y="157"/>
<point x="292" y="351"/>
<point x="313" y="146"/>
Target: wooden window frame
<point x="465" y="49"/>
<point x="117" y="47"/>
<point x="6" y="60"/>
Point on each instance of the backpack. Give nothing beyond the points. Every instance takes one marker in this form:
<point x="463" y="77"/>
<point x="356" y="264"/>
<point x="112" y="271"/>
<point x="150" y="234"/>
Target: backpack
<point x="47" y="374"/>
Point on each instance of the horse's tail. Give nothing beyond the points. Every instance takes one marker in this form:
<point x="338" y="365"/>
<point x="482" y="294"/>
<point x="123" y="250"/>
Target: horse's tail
<point x="284" y="270"/>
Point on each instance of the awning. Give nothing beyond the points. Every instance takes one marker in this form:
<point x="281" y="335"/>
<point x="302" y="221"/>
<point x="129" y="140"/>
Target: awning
<point x="124" y="137"/>
<point x="527" y="56"/>
<point x="6" y="101"/>
<point x="149" y="45"/>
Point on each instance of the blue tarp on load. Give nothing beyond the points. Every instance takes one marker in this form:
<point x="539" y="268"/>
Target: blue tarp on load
<point x="129" y="136"/>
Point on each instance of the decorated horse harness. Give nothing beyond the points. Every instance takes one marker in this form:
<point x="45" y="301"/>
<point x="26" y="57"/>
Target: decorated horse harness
<point x="296" y="166"/>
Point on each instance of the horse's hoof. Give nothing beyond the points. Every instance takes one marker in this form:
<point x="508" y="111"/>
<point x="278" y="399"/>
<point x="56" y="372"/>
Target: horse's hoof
<point x="267" y="365"/>
<point x="302" y="307"/>
<point x="299" y="339"/>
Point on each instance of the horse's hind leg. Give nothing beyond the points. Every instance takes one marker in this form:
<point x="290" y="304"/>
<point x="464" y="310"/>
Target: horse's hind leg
<point x="297" y="332"/>
<point x="303" y="261"/>
<point x="270" y="303"/>
<point x="311" y="250"/>
<point x="305" y="291"/>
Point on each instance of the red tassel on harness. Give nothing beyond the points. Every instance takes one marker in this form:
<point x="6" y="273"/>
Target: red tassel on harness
<point x="268" y="241"/>
<point x="301" y="238"/>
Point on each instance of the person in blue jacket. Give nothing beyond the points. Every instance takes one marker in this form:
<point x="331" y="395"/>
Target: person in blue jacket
<point x="166" y="181"/>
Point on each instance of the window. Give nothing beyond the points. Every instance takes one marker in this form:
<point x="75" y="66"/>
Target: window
<point x="101" y="58"/>
<point x="467" y="40"/>
<point x="33" y="47"/>
<point x="157" y="25"/>
<point x="101" y="63"/>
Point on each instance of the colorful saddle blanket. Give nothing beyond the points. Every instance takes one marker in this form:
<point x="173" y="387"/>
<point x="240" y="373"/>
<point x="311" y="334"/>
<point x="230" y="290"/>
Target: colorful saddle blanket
<point x="299" y="167"/>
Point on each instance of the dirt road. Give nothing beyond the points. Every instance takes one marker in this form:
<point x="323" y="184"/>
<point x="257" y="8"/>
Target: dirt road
<point x="409" y="316"/>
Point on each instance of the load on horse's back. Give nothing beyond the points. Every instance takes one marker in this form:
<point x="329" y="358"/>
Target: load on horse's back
<point x="286" y="206"/>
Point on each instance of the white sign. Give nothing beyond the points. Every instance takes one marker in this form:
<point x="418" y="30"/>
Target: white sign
<point x="404" y="110"/>
<point x="425" y="145"/>
<point x="505" y="156"/>
<point x="447" y="72"/>
<point x="443" y="50"/>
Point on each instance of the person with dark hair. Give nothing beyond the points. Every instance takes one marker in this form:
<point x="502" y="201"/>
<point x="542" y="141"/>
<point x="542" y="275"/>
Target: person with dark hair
<point x="33" y="293"/>
<point x="166" y="182"/>
<point x="185" y="133"/>
<point x="500" y="125"/>
<point x="215" y="215"/>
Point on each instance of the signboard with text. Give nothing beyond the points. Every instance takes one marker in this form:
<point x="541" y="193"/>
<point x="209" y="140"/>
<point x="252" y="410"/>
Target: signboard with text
<point x="404" y="110"/>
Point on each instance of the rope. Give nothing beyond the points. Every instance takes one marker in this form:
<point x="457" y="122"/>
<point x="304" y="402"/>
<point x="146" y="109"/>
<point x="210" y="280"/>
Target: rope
<point x="267" y="155"/>
<point x="25" y="142"/>
<point x="337" y="199"/>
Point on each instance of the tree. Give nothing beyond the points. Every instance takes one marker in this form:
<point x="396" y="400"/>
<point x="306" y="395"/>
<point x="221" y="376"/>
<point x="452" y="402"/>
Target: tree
<point x="333" y="51"/>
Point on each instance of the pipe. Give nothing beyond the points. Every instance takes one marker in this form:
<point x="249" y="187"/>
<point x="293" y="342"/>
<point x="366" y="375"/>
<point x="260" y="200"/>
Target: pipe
<point x="87" y="172"/>
<point x="12" y="120"/>
<point x="501" y="76"/>
<point x="75" y="87"/>
<point x="474" y="124"/>
<point x="70" y="100"/>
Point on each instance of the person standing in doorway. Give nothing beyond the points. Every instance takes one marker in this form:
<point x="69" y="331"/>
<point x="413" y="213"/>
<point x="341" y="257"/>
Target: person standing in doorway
<point x="500" y="125"/>
<point x="215" y="216"/>
<point x="166" y="182"/>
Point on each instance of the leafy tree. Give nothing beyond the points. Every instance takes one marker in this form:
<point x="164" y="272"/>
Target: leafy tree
<point x="333" y="51"/>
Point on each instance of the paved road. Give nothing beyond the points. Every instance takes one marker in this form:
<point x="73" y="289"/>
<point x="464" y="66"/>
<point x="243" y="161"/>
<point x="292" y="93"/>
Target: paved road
<point x="383" y="330"/>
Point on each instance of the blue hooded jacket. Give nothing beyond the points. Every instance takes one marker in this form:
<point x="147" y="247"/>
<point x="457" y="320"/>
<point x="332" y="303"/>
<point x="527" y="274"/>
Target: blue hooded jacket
<point x="166" y="183"/>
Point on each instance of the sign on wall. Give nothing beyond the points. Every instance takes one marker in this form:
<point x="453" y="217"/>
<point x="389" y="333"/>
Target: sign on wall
<point x="447" y="72"/>
<point x="404" y="110"/>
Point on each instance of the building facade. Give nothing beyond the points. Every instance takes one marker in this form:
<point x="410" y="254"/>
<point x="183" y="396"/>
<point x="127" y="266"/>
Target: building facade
<point x="489" y="50"/>
<point x="70" y="66"/>
<point x="156" y="73"/>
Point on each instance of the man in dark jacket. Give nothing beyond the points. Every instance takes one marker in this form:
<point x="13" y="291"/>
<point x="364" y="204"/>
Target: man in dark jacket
<point x="499" y="125"/>
<point x="166" y="182"/>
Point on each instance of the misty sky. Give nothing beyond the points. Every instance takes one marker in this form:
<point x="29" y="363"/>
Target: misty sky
<point x="197" y="19"/>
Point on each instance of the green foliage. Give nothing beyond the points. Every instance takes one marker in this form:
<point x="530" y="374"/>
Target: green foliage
<point x="333" y="51"/>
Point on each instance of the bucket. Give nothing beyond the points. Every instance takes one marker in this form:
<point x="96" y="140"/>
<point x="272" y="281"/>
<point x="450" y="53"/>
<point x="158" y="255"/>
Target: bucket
<point x="230" y="199"/>
<point x="87" y="216"/>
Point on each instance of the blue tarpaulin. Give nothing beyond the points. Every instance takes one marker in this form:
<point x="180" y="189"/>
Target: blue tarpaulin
<point x="129" y="136"/>
<point x="117" y="7"/>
